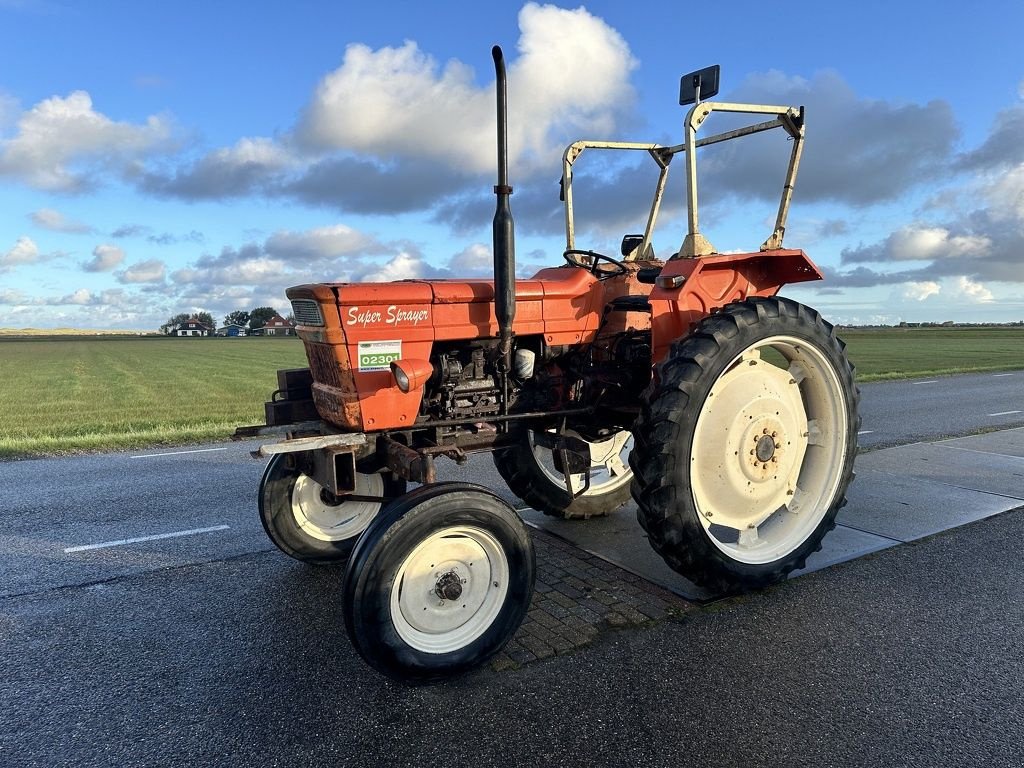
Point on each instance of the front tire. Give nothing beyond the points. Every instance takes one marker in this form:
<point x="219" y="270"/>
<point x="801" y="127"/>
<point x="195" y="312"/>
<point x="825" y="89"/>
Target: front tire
<point x="438" y="583"/>
<point x="745" y="446"/>
<point x="307" y="524"/>
<point x="531" y="473"/>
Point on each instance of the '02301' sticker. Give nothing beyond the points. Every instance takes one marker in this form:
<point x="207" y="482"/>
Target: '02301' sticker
<point x="378" y="355"/>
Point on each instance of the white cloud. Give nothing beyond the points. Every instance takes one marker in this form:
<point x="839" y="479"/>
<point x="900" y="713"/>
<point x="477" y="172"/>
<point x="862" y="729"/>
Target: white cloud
<point x="14" y="298"/>
<point x="476" y="259"/>
<point x="59" y="134"/>
<point x="572" y="70"/>
<point x="403" y="266"/>
<point x="81" y="296"/>
<point x="921" y="243"/>
<point x="252" y="270"/>
<point x="253" y="151"/>
<point x="974" y="292"/>
<point x="916" y="243"/>
<point x="1006" y="195"/>
<point x="921" y="290"/>
<point x="320" y="243"/>
<point x="55" y="221"/>
<point x="230" y="171"/>
<point x="151" y="271"/>
<point x="25" y="251"/>
<point x="104" y="259"/>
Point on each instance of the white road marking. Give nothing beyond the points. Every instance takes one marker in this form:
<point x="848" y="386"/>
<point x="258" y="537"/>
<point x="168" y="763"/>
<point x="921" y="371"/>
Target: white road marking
<point x="121" y="542"/>
<point x="997" y="375"/>
<point x="176" y="453"/>
<point x="865" y="432"/>
<point x="930" y="381"/>
<point x="1004" y="413"/>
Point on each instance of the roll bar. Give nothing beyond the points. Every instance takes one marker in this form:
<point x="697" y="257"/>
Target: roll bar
<point x="694" y="245"/>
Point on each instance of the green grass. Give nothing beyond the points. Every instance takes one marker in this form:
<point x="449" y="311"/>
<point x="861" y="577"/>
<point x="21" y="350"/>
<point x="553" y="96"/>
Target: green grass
<point x="81" y="394"/>
<point x="94" y="394"/>
<point x="900" y="353"/>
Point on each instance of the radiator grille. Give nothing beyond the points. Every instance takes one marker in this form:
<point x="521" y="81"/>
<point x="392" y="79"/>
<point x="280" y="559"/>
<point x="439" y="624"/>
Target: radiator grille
<point x="324" y="364"/>
<point x="307" y="312"/>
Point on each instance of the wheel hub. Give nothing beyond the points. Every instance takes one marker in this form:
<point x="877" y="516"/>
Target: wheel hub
<point x="449" y="586"/>
<point x="765" y="448"/>
<point x="762" y="449"/>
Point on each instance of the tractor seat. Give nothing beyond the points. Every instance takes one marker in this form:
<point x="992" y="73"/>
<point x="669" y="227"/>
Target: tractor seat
<point x="637" y="303"/>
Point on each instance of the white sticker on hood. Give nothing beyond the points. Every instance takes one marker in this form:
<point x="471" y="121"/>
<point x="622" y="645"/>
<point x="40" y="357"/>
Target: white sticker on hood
<point x="378" y="355"/>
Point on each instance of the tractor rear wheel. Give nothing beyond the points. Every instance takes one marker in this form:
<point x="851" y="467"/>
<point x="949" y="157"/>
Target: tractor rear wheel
<point x="532" y="474"/>
<point x="306" y="522"/>
<point x="745" y="446"/>
<point x="438" y="583"/>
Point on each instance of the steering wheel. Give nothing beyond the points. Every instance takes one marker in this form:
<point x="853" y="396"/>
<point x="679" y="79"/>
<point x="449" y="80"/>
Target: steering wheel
<point x="573" y="257"/>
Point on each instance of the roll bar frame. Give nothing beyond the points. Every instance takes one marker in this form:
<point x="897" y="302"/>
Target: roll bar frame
<point x="695" y="245"/>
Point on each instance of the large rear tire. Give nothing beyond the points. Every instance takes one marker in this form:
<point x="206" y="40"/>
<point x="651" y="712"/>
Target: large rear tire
<point x="438" y="583"/>
<point x="745" y="445"/>
<point x="531" y="473"/>
<point x="308" y="524"/>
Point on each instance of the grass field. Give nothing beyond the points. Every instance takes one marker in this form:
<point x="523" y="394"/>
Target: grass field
<point x="81" y="394"/>
<point x="900" y="353"/>
<point x="91" y="394"/>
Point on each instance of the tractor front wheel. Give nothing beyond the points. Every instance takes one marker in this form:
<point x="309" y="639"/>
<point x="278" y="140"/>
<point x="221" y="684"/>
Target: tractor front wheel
<point x="532" y="473"/>
<point x="306" y="522"/>
<point x="745" y="446"/>
<point x="438" y="583"/>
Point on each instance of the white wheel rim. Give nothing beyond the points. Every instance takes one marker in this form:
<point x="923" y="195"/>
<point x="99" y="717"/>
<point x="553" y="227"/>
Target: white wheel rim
<point x="334" y="522"/>
<point x="768" y="450"/>
<point x="433" y="623"/>
<point x="608" y="468"/>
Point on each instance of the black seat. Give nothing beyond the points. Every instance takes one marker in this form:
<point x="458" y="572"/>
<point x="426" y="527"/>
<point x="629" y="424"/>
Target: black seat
<point x="630" y="304"/>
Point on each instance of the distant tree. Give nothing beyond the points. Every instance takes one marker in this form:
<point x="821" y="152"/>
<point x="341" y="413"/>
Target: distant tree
<point x="168" y="327"/>
<point x="259" y="316"/>
<point x="203" y="317"/>
<point x="238" y="317"/>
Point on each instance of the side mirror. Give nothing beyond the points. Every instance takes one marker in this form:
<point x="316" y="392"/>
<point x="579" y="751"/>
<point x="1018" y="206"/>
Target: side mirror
<point x="631" y="245"/>
<point x="699" y="85"/>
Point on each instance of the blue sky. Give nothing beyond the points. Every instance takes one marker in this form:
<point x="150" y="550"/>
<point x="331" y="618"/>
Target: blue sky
<point x="157" y="159"/>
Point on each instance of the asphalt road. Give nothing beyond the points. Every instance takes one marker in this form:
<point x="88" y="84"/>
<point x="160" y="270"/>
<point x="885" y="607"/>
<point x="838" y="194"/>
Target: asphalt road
<point x="897" y="412"/>
<point x="212" y="648"/>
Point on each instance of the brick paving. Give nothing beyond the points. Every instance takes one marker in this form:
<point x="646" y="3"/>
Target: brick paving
<point x="577" y="597"/>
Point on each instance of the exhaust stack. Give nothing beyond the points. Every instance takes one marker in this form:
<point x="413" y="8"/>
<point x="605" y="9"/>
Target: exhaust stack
<point x="504" y="234"/>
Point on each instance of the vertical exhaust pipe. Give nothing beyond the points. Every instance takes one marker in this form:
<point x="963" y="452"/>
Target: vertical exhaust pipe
<point x="504" y="235"/>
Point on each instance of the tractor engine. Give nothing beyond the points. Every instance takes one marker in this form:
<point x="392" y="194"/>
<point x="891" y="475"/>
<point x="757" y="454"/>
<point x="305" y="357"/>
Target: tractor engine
<point x="463" y="386"/>
<point x="605" y="377"/>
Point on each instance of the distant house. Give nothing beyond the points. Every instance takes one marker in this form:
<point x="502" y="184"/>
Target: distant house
<point x="191" y="327"/>
<point x="278" y="326"/>
<point x="231" y="329"/>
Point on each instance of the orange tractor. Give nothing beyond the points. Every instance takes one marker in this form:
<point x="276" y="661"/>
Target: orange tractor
<point x="728" y="412"/>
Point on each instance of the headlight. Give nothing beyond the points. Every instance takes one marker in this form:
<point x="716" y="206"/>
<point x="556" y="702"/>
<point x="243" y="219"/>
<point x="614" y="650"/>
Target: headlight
<point x="410" y="373"/>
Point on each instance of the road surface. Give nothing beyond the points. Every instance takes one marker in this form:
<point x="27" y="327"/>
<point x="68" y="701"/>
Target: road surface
<point x="146" y="620"/>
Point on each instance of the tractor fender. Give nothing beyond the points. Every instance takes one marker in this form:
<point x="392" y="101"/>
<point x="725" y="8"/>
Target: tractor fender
<point x="689" y="289"/>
